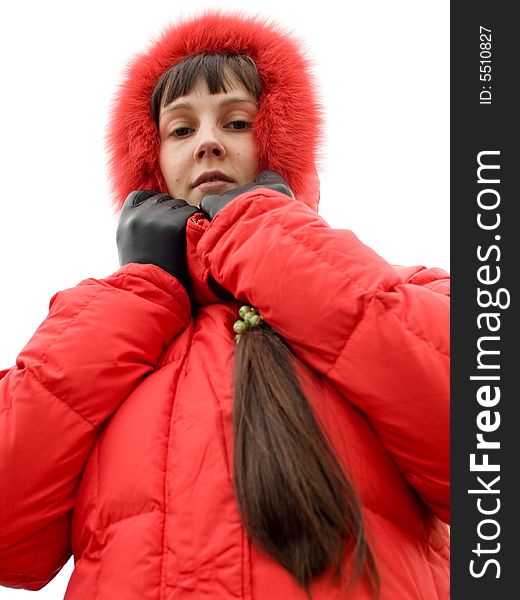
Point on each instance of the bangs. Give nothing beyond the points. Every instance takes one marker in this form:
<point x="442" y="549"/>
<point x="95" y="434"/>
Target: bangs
<point x="215" y="69"/>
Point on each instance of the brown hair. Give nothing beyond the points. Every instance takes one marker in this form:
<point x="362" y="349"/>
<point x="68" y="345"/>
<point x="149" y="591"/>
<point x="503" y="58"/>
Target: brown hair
<point x="295" y="501"/>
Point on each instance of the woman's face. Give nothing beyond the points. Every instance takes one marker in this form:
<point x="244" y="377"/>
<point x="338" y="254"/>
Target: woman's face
<point x="207" y="144"/>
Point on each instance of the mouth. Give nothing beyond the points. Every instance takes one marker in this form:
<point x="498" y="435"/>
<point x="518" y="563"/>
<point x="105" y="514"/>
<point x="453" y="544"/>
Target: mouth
<point x="214" y="187"/>
<point x="211" y="180"/>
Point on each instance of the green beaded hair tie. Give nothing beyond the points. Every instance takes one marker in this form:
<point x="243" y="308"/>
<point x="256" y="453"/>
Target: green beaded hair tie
<point x="250" y="318"/>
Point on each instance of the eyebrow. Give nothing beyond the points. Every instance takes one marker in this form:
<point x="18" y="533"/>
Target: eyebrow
<point x="223" y="102"/>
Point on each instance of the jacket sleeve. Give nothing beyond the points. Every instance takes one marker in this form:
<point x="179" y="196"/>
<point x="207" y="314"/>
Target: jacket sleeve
<point x="379" y="333"/>
<point x="98" y="342"/>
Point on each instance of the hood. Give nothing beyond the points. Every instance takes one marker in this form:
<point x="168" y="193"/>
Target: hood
<point x="288" y="125"/>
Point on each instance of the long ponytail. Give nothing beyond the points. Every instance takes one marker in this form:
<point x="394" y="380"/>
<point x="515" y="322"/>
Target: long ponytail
<point x="295" y="501"/>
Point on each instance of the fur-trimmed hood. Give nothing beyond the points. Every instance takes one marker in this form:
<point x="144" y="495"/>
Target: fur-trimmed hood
<point x="288" y="125"/>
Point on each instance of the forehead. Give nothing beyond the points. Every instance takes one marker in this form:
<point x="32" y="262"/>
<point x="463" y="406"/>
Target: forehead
<point x="200" y="98"/>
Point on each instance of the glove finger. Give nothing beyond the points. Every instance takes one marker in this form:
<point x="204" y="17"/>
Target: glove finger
<point x="187" y="210"/>
<point x="275" y="181"/>
<point x="269" y="176"/>
<point x="161" y="197"/>
<point x="174" y="203"/>
<point x="213" y="203"/>
<point x="138" y="197"/>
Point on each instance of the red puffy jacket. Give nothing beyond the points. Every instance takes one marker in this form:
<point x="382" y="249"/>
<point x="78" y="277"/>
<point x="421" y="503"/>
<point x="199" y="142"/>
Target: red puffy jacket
<point x="116" y="422"/>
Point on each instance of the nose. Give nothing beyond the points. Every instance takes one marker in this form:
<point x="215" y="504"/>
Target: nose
<point x="209" y="146"/>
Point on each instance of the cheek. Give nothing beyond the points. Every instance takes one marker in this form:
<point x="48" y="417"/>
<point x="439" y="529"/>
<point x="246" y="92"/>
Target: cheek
<point x="171" y="170"/>
<point x="163" y="165"/>
<point x="249" y="158"/>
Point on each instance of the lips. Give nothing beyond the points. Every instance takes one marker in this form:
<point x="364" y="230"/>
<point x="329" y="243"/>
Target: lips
<point x="215" y="176"/>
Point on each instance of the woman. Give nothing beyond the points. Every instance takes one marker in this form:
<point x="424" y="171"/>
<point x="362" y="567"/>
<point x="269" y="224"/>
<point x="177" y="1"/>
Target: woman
<point x="126" y="440"/>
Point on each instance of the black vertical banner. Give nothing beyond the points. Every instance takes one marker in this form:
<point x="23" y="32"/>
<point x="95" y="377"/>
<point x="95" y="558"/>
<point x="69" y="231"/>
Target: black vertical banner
<point x="485" y="250"/>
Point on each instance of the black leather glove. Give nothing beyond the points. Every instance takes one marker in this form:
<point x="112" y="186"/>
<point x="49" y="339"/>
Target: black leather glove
<point x="266" y="179"/>
<point x="152" y="230"/>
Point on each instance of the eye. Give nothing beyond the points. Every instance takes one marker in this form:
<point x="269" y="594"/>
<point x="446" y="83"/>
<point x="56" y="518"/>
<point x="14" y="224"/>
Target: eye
<point x="180" y="132"/>
<point x="238" y="124"/>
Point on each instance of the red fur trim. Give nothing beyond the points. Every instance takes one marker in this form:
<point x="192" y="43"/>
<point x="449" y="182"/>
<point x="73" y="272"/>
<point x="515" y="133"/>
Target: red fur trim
<point x="289" y="121"/>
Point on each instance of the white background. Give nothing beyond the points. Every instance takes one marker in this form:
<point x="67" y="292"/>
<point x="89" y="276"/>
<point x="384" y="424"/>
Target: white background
<point x="383" y="70"/>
